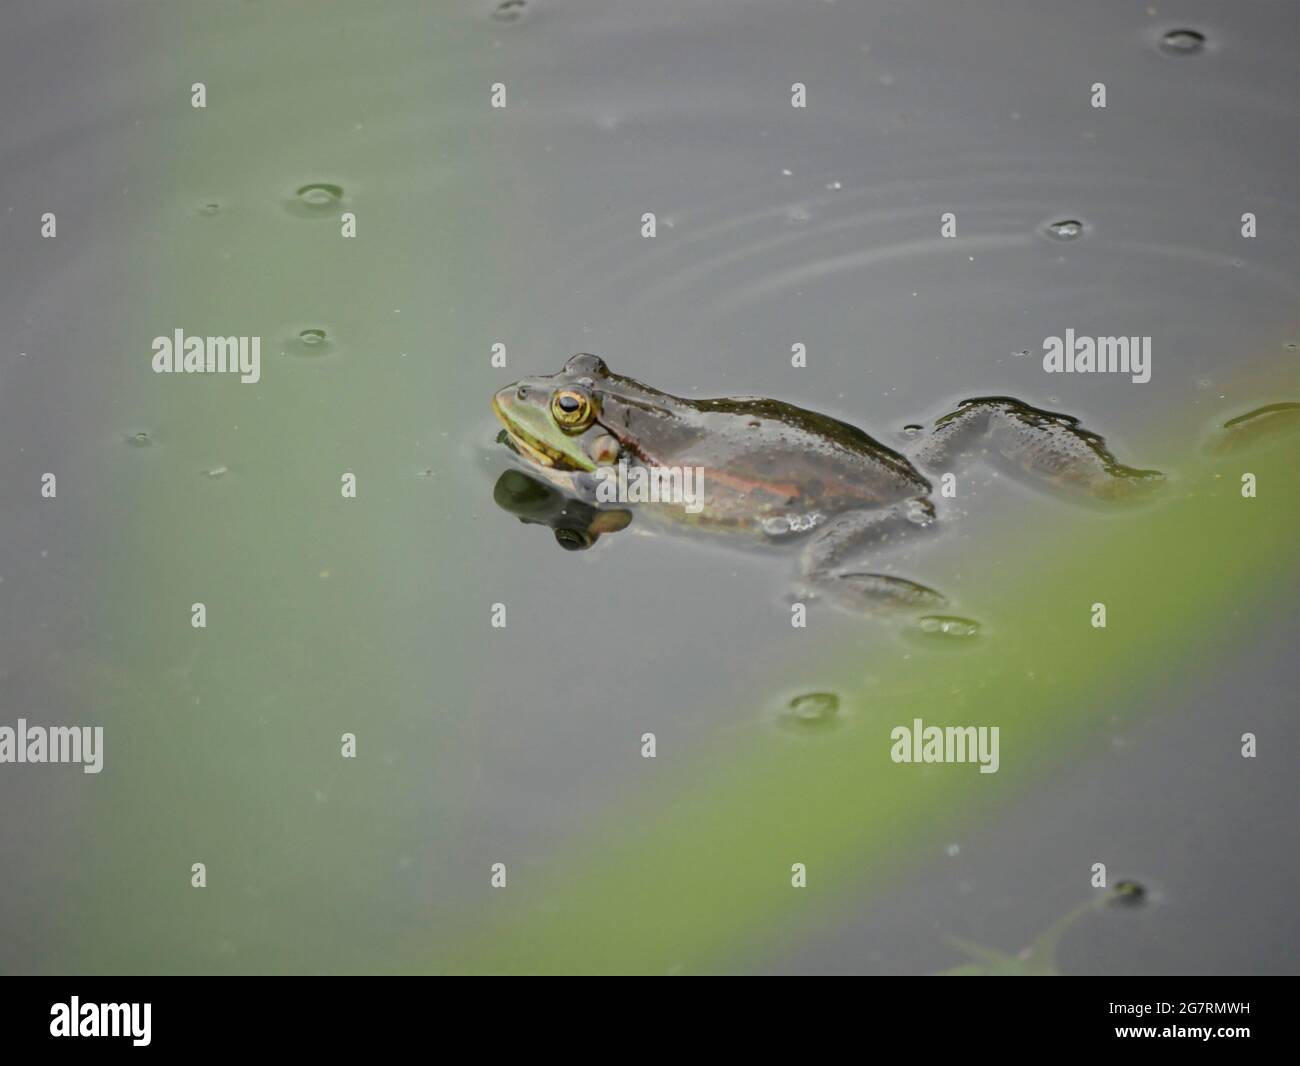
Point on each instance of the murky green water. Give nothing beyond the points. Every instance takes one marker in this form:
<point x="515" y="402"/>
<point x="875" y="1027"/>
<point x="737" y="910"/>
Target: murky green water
<point x="522" y="227"/>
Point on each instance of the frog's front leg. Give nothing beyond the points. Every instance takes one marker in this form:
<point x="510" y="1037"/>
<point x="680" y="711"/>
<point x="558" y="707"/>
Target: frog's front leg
<point x="1047" y="446"/>
<point x="826" y="562"/>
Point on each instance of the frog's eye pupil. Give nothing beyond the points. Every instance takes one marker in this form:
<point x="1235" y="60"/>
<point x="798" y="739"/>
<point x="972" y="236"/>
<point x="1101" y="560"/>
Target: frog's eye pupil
<point x="569" y="404"/>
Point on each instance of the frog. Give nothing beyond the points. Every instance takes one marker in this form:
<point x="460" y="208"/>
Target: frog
<point x="773" y="474"/>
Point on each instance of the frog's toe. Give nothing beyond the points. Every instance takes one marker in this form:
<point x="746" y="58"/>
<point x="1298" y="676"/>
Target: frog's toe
<point x="1127" y="484"/>
<point x="1261" y="427"/>
<point x="881" y="592"/>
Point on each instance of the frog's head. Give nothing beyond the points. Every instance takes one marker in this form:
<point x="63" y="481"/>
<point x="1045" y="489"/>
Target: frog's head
<point x="555" y="421"/>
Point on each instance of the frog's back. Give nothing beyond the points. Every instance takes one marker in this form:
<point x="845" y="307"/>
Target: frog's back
<point x="764" y="457"/>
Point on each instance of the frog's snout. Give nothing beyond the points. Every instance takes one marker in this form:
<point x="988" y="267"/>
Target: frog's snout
<point x="506" y="402"/>
<point x="499" y="403"/>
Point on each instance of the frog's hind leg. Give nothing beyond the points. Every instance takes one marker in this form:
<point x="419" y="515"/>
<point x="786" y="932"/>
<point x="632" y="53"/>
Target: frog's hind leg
<point x="826" y="562"/>
<point x="1047" y="446"/>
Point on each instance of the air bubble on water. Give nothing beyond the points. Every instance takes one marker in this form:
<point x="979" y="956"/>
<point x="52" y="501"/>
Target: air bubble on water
<point x="210" y="210"/>
<point x="1182" y="43"/>
<point x="217" y="471"/>
<point x="810" y="711"/>
<point x="912" y="428"/>
<point x="1065" y="229"/>
<point x="313" y="341"/>
<point x="509" y="10"/>
<point x="952" y="850"/>
<point x="1129" y="893"/>
<point x="814" y="706"/>
<point x="320" y="195"/>
<point x="835" y="186"/>
<point x="139" y="440"/>
<point x="947" y="627"/>
<point x="1290" y="346"/>
<point x="316" y="200"/>
<point x="920" y="512"/>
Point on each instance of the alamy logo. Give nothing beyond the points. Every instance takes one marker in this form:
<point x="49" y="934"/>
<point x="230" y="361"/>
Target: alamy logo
<point x="102" y="1019"/>
<point x="954" y="743"/>
<point x="651" y="484"/>
<point x="179" y="354"/>
<point x="1098" y="355"/>
<point x="58" y="743"/>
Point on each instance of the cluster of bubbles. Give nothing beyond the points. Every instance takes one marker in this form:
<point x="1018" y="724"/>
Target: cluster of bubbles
<point x="315" y="199"/>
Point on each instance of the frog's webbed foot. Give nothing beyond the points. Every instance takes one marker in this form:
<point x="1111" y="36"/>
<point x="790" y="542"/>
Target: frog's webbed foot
<point x="825" y="560"/>
<point x="1048" y="447"/>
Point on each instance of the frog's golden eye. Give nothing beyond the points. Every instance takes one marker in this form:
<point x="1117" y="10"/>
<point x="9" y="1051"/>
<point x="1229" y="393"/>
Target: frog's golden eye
<point x="572" y="409"/>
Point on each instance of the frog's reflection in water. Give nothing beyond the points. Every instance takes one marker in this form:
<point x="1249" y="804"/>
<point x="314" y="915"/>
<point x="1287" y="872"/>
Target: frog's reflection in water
<point x="577" y="525"/>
